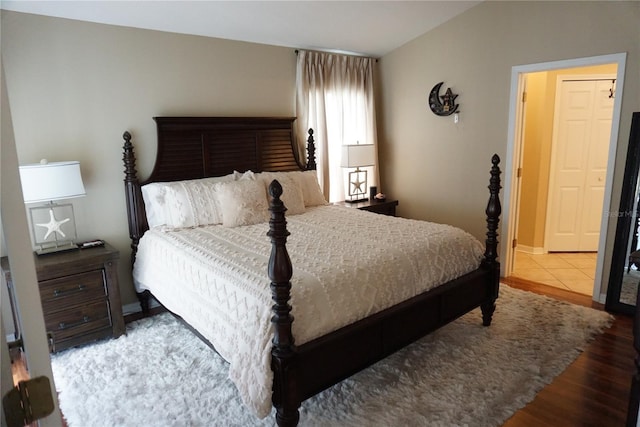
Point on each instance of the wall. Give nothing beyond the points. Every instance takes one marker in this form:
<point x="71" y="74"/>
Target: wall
<point x="536" y="156"/>
<point x="438" y="169"/>
<point x="75" y="87"/>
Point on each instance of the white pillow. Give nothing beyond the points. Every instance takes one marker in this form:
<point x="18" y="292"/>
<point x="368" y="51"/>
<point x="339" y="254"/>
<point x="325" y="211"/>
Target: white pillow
<point x="243" y="202"/>
<point x="182" y="204"/>
<point x="239" y="176"/>
<point x="292" y="196"/>
<point x="311" y="191"/>
<point x="154" y="203"/>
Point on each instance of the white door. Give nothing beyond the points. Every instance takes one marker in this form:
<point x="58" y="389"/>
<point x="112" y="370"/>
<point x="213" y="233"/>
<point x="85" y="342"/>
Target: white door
<point x="14" y="231"/>
<point x="582" y="133"/>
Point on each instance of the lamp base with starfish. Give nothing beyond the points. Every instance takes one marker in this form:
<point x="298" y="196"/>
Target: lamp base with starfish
<point x="51" y="234"/>
<point x="357" y="186"/>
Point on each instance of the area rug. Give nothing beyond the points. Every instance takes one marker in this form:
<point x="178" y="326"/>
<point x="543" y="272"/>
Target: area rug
<point x="160" y="374"/>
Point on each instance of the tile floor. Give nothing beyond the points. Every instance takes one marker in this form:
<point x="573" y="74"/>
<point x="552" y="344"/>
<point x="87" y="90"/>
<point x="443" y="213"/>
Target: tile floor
<point x="574" y="271"/>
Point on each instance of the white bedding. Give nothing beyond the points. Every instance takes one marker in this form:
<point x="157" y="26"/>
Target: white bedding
<point x="347" y="264"/>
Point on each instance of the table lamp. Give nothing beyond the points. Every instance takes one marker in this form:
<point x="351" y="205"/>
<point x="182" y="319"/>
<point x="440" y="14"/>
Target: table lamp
<point x="357" y="156"/>
<point x="53" y="225"/>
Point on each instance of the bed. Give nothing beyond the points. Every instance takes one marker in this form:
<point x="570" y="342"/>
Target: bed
<point x="286" y="268"/>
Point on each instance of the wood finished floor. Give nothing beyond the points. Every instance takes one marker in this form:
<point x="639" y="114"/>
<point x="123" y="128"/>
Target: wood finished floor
<point x="592" y="391"/>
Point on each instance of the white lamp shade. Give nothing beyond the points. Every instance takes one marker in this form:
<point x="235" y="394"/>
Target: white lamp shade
<point x="44" y="182"/>
<point x="354" y="156"/>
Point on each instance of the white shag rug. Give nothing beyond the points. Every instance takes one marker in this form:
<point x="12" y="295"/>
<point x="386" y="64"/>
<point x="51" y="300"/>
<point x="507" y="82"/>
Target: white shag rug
<point x="160" y="374"/>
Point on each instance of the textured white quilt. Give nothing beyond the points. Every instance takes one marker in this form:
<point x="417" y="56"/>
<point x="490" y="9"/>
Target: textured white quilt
<point x="347" y="264"/>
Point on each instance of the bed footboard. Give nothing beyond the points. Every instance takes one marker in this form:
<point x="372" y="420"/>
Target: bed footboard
<point x="301" y="372"/>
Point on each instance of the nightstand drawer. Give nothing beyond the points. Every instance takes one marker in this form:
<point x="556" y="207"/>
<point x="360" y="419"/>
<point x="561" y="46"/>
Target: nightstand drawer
<point x="77" y="321"/>
<point x="58" y="294"/>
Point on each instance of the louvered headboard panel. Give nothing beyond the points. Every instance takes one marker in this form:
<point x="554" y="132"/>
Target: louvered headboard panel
<point x="198" y="147"/>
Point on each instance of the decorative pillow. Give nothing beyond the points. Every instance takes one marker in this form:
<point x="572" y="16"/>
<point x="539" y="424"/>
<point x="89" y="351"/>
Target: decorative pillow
<point x="311" y="191"/>
<point x="291" y="192"/>
<point x="154" y="203"/>
<point x="180" y="204"/>
<point x="240" y="176"/>
<point x="243" y="202"/>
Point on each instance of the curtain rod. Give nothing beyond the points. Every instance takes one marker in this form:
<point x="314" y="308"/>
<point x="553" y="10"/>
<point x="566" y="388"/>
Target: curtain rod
<point x="334" y="53"/>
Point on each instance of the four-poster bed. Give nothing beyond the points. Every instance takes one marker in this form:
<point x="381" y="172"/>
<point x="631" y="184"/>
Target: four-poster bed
<point x="193" y="148"/>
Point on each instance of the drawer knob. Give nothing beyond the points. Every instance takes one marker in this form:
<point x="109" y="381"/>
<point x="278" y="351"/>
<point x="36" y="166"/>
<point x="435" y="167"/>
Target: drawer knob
<point x="61" y="292"/>
<point x="62" y="325"/>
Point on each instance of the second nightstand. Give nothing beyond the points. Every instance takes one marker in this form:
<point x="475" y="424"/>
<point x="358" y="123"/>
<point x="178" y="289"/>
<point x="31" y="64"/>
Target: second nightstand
<point x="385" y="207"/>
<point x="79" y="294"/>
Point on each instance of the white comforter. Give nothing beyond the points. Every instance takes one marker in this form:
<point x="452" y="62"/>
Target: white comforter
<point x="347" y="264"/>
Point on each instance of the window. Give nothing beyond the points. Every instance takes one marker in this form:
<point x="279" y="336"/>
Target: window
<point x="334" y="97"/>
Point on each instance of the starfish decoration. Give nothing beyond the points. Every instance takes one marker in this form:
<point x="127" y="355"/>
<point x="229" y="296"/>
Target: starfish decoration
<point x="357" y="186"/>
<point x="53" y="226"/>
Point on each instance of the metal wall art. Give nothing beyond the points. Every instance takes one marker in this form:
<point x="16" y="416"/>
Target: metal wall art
<point x="442" y="105"/>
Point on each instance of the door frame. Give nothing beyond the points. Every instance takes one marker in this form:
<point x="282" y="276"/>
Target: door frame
<point x="15" y="231"/>
<point x="514" y="145"/>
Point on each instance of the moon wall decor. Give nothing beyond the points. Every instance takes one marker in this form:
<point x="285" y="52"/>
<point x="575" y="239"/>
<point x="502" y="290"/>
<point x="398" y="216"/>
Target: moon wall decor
<point x="442" y="105"/>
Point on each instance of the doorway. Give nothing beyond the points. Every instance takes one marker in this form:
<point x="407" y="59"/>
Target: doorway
<point x="528" y="203"/>
<point x="564" y="160"/>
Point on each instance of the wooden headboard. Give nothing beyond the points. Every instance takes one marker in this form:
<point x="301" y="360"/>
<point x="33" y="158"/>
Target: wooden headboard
<point x="201" y="147"/>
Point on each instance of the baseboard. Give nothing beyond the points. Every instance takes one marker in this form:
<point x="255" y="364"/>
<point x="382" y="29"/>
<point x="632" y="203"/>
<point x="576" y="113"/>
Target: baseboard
<point x="531" y="250"/>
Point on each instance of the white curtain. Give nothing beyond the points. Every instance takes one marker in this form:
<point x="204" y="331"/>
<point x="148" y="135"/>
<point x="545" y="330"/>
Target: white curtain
<point x="334" y="97"/>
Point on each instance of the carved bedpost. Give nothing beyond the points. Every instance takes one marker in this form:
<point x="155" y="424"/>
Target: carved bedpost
<point x="283" y="353"/>
<point x="130" y="184"/>
<point x="311" y="152"/>
<point x="490" y="262"/>
<point x="136" y="216"/>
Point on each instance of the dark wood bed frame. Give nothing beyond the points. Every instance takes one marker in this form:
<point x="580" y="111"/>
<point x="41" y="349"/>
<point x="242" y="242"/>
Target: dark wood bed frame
<point x="198" y="147"/>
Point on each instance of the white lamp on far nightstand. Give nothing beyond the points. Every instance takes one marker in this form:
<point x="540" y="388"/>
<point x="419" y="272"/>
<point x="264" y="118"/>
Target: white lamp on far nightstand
<point x="357" y="156"/>
<point x="53" y="225"/>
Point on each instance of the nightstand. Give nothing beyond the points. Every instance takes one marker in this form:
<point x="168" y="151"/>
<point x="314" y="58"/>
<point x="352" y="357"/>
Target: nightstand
<point x="385" y="207"/>
<point x="79" y="294"/>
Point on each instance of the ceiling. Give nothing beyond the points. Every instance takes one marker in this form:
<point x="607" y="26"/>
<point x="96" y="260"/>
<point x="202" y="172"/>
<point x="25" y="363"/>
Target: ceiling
<point x="370" y="28"/>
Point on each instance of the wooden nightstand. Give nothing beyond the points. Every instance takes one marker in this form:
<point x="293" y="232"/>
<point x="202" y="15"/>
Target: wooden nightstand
<point x="79" y="294"/>
<point x="386" y="207"/>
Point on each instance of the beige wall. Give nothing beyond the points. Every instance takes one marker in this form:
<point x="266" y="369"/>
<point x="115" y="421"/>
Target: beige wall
<point x="439" y="169"/>
<point x="75" y="87"/>
<point x="536" y="156"/>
